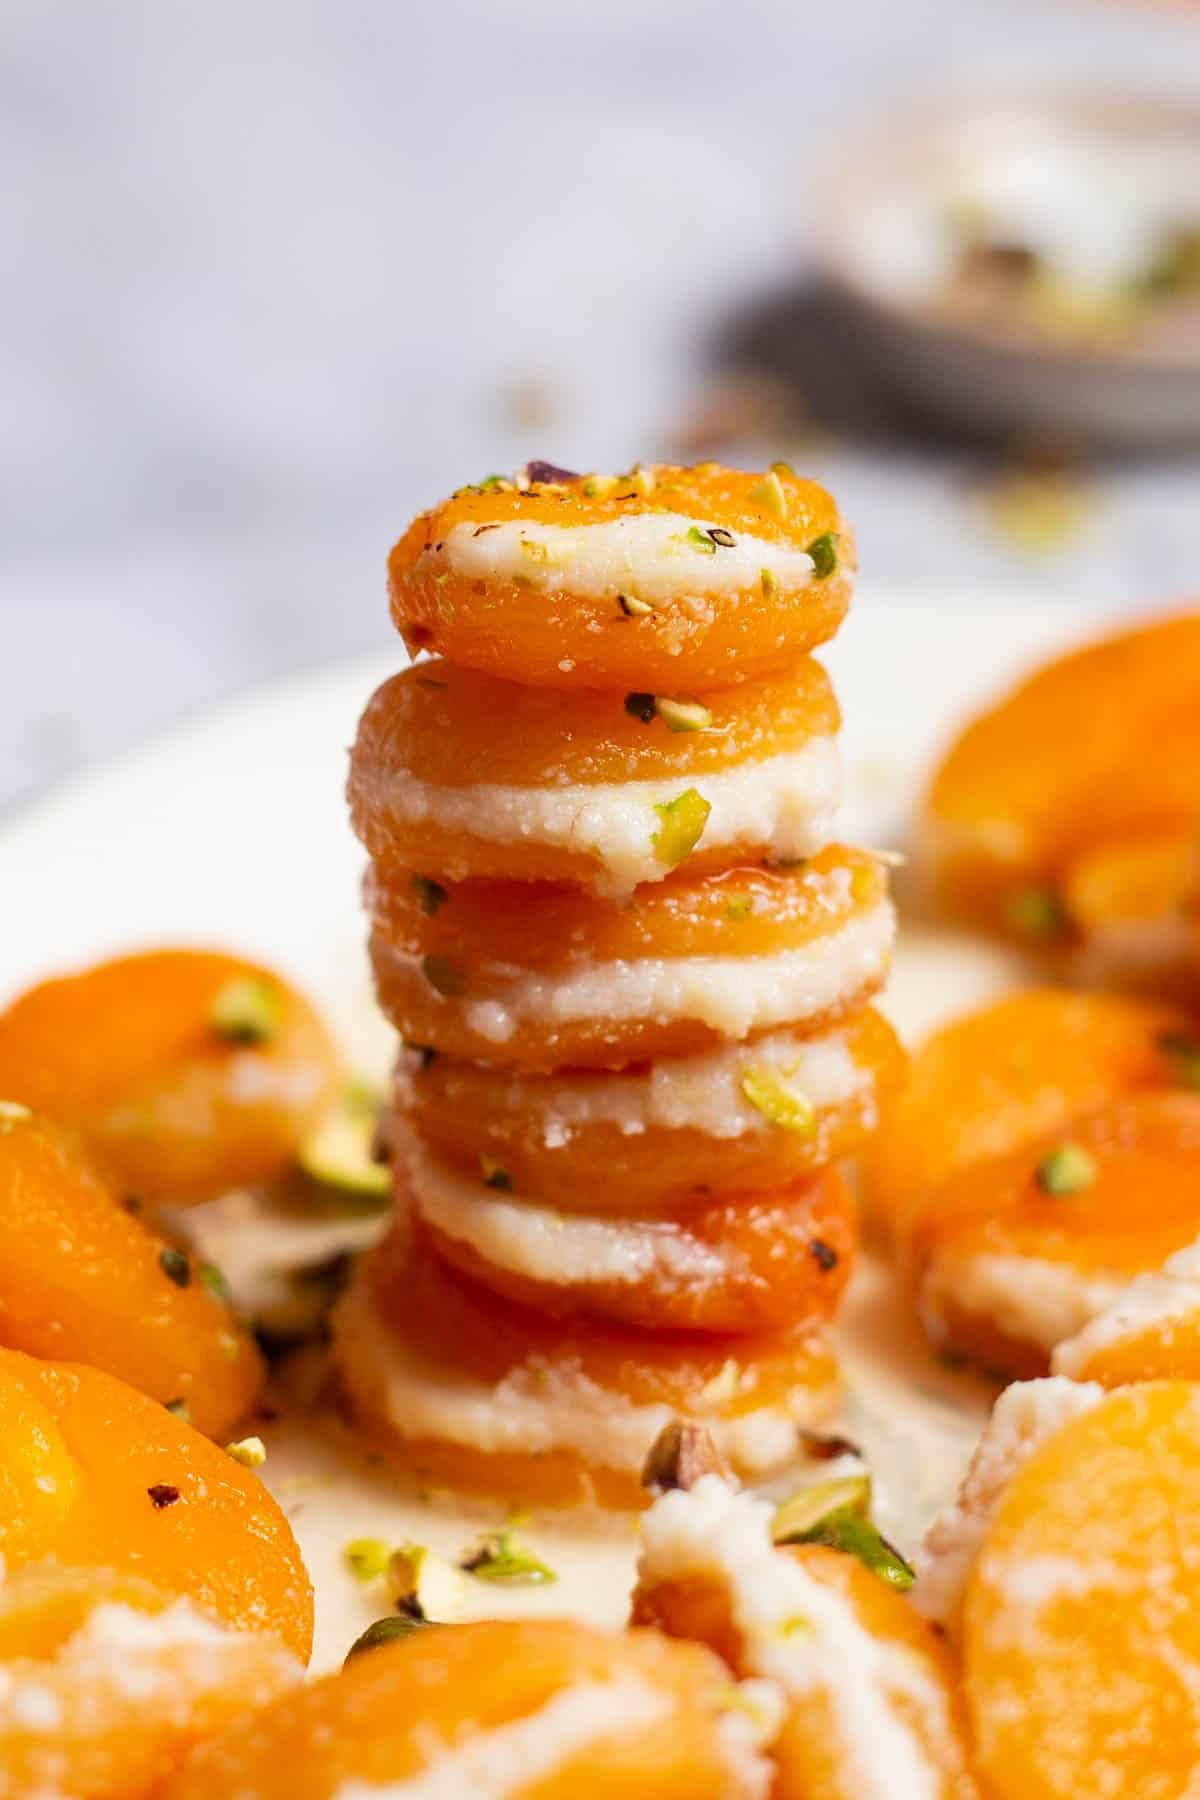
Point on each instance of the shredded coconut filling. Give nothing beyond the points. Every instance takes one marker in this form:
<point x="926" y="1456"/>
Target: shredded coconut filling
<point x="1149" y="1301"/>
<point x="1029" y="1298"/>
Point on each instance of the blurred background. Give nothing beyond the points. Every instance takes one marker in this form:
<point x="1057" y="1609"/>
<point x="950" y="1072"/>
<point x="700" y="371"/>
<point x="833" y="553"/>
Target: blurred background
<point x="278" y="272"/>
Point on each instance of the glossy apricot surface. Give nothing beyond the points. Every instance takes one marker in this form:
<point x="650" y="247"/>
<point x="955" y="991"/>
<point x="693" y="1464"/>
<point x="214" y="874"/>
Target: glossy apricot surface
<point x="97" y="1476"/>
<point x="127" y="1053"/>
<point x="504" y="943"/>
<point x="747" y="1263"/>
<point x="550" y="1133"/>
<point x="462" y="1704"/>
<point x="1098" y="746"/>
<point x="451" y="729"/>
<point x="106" y="1682"/>
<point x="536" y="630"/>
<point x="1081" y="1633"/>
<point x="82" y="1279"/>
<point x="1006" y="1075"/>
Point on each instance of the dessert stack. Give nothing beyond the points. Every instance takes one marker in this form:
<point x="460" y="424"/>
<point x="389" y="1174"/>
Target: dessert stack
<point x="631" y="971"/>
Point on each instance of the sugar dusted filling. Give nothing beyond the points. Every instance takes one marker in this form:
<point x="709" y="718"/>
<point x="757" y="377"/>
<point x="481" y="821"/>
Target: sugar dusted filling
<point x="1029" y="1298"/>
<point x="782" y="806"/>
<point x="1150" y="1302"/>
<point x="650" y="556"/>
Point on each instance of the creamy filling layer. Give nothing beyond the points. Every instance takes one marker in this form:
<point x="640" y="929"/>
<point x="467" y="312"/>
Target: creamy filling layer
<point x="1149" y="1302"/>
<point x="1024" y="1416"/>
<point x="782" y="806"/>
<point x="560" y="1249"/>
<point x="539" y="1408"/>
<point x="1029" y="1298"/>
<point x="648" y="556"/>
<point x="681" y="1093"/>
<point x="803" y="1635"/>
<point x="731" y="994"/>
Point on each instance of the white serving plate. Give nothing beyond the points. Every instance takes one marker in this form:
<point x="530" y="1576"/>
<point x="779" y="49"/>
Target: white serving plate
<point x="231" y="829"/>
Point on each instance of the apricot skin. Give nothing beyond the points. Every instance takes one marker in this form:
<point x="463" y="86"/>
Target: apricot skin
<point x="84" y="1280"/>
<point x="126" y="1053"/>
<point x="82" y="1452"/>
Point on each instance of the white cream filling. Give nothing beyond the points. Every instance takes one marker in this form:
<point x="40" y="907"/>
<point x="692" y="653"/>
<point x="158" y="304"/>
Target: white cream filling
<point x="782" y="806"/>
<point x="538" y="1409"/>
<point x="680" y="1093"/>
<point x="1149" y="1301"/>
<point x="1024" y="1416"/>
<point x="1029" y="1298"/>
<point x="511" y="1758"/>
<point x="731" y="994"/>
<point x="803" y="1635"/>
<point x="647" y="555"/>
<point x="561" y="1249"/>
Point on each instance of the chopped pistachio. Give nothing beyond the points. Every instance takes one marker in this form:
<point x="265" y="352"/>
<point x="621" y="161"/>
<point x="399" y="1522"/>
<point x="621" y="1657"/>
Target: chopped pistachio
<point x="1035" y="913"/>
<point x="769" y="583"/>
<point x="683" y="822"/>
<point x="700" y="540"/>
<point x="599" y="487"/>
<point x="769" y="495"/>
<point x="503" y="1559"/>
<point x="494" y="484"/>
<point x="210" y="1277"/>
<point x="769" y="1094"/>
<point x="1183" y="1050"/>
<point x="251" y="1452"/>
<point x="534" y="549"/>
<point x="824" y="553"/>
<point x="683" y="714"/>
<point x="430" y="894"/>
<point x="387" y="1631"/>
<point x="633" y="608"/>
<point x="847" y="1530"/>
<point x="426" y="1586"/>
<point x="494" y="1176"/>
<point x="247" y="1010"/>
<point x="739" y="906"/>
<point x="722" y="537"/>
<point x="642" y="481"/>
<point x="339" y="1152"/>
<point x="809" y="1508"/>
<point x="367" y="1558"/>
<point x="680" y="1454"/>
<point x="175" y="1266"/>
<point x="1067" y="1169"/>
<point x="642" y="706"/>
<point x="782" y="468"/>
<point x="179" y="1409"/>
<point x="443" y="975"/>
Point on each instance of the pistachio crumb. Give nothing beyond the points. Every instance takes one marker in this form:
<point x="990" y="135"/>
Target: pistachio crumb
<point x="387" y="1631"/>
<point x="769" y="495"/>
<point x="251" y="1452"/>
<point x="824" y="553"/>
<point x="769" y="582"/>
<point x="425" y="1585"/>
<point x="680" y="1454"/>
<point x="683" y="822"/>
<point x="502" y="1558"/>
<point x="599" y="487"/>
<point x="210" y="1277"/>
<point x="701" y="540"/>
<point x="770" y="1095"/>
<point x="739" y="906"/>
<point x="808" y="1510"/>
<point x="247" y="1010"/>
<point x="367" y="1558"/>
<point x="1067" y="1169"/>
<point x="633" y="608"/>
<point x="683" y="714"/>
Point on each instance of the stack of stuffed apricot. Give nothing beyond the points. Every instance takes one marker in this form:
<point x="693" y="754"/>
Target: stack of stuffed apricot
<point x="631" y="972"/>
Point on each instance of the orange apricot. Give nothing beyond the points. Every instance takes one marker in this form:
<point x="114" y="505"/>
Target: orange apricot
<point x="654" y="1140"/>
<point x="106" y="1682"/>
<point x="1098" y="746"/>
<point x="1016" y="1252"/>
<point x="744" y="1263"/>
<point x="1133" y="905"/>
<point x="84" y="1280"/>
<point x="468" y="1390"/>
<point x="458" y="774"/>
<point x="1008" y="1074"/>
<point x="188" y="1072"/>
<point x="871" y="1696"/>
<point x="1149" y="1331"/>
<point x="97" y="1476"/>
<point x="548" y="976"/>
<point x="1081" y="1634"/>
<point x="673" y="576"/>
<point x="555" y="1709"/>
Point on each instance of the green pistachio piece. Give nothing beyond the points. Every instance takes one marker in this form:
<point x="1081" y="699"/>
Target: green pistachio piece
<point x="247" y="1010"/>
<point x="824" y="553"/>
<point x="683" y="822"/>
<point x="768" y="1092"/>
<point x="701" y="540"/>
<point x="210" y="1277"/>
<point x="683" y="714"/>
<point x="503" y="1559"/>
<point x="339" y="1153"/>
<point x="599" y="487"/>
<point x="1067" y="1169"/>
<point x="848" y="1531"/>
<point x="642" y="481"/>
<point x="426" y="1586"/>
<point x="808" y="1509"/>
<point x="367" y="1558"/>
<point x="769" y="583"/>
<point x="769" y="495"/>
<point x="632" y="607"/>
<point x="388" y="1631"/>
<point x="251" y="1452"/>
<point x="739" y="906"/>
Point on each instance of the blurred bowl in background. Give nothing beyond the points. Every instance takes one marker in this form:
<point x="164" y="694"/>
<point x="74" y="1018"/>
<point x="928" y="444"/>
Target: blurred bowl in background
<point x="1030" y="264"/>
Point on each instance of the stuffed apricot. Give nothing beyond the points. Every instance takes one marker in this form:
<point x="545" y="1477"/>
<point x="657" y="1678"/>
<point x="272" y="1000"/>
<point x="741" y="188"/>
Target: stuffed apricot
<point x="666" y="577"/>
<point x="544" y="977"/>
<point x="188" y="1072"/>
<point x="82" y="1279"/>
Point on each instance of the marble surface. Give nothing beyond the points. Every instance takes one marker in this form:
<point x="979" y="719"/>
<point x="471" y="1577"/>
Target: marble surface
<point x="275" y="273"/>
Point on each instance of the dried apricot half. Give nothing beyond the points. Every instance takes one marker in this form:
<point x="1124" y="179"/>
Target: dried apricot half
<point x="1081" y="1635"/>
<point x="1149" y="1331"/>
<point x="458" y="774"/>
<point x="82" y="1279"/>
<point x="552" y="1709"/>
<point x="667" y="576"/>
<point x="96" y="1476"/>
<point x="188" y="1072"/>
<point x="546" y="976"/>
